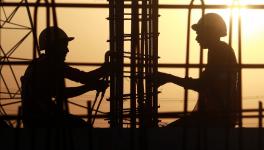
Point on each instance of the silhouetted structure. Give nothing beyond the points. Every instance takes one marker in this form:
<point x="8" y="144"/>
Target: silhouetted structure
<point x="143" y="110"/>
<point x="143" y="62"/>
<point x="118" y="16"/>
<point x="217" y="104"/>
<point x="44" y="95"/>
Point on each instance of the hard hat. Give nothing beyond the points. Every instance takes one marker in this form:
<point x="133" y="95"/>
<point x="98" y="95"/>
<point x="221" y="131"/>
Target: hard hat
<point x="50" y="35"/>
<point x="211" y="21"/>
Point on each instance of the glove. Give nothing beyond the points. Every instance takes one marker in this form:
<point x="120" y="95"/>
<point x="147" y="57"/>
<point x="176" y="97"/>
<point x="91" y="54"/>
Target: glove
<point x="106" y="68"/>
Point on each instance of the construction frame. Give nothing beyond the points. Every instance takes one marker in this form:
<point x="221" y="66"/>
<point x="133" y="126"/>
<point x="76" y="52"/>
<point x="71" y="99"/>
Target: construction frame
<point x="142" y="57"/>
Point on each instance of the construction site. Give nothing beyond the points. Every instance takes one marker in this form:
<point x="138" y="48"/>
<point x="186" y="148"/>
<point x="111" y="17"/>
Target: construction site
<point x="139" y="39"/>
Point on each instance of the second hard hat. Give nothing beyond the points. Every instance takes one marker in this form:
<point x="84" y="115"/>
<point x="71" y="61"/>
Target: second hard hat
<point x="211" y="21"/>
<point x="50" y="35"/>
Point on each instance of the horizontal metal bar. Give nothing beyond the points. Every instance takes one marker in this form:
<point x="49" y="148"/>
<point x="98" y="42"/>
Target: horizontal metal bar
<point x="161" y="65"/>
<point x="69" y="5"/>
<point x="106" y="115"/>
<point x="242" y="66"/>
<point x="161" y="6"/>
<point x="11" y="103"/>
<point x="169" y="6"/>
<point x="28" y="62"/>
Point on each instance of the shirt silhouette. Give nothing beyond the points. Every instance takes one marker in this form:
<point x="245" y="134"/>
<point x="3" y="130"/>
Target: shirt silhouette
<point x="43" y="86"/>
<point x="217" y="85"/>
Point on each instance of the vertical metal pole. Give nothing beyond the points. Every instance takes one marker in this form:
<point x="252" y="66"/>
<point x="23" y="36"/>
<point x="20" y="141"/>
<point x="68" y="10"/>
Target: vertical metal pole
<point x="150" y="65"/>
<point x="148" y="57"/>
<point x="185" y="107"/>
<point x="89" y="121"/>
<point x="142" y="100"/>
<point x="201" y="50"/>
<point x="240" y="140"/>
<point x="55" y="22"/>
<point x="32" y="27"/>
<point x="89" y="113"/>
<point x="231" y="24"/>
<point x="34" y="30"/>
<point x="260" y="115"/>
<point x="260" y="126"/>
<point x="146" y="22"/>
<point x="240" y="71"/>
<point x="64" y="103"/>
<point x="112" y="60"/>
<point x="120" y="60"/>
<point x="19" y="118"/>
<point x="155" y="61"/>
<point x="202" y="131"/>
<point x="47" y="13"/>
<point x="116" y="14"/>
<point x="134" y="48"/>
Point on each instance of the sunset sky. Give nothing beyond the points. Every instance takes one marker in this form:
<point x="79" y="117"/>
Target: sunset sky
<point x="91" y="31"/>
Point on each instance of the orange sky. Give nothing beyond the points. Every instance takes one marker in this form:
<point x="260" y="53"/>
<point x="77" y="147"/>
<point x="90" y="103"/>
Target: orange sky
<point x="90" y="29"/>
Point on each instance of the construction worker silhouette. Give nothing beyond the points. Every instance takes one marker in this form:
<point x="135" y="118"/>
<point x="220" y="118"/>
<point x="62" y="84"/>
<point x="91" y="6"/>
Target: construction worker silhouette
<point x="217" y="85"/>
<point x="43" y="84"/>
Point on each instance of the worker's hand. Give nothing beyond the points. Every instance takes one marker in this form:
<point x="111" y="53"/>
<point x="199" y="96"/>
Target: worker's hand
<point x="161" y="78"/>
<point x="101" y="85"/>
<point x="106" y="68"/>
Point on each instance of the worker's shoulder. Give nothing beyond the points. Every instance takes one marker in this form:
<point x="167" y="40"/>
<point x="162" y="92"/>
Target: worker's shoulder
<point x="38" y="64"/>
<point x="223" y="46"/>
<point x="224" y="50"/>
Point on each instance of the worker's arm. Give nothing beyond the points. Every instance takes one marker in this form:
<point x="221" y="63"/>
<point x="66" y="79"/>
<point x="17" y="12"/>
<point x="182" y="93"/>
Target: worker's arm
<point x="86" y="77"/>
<point x="99" y="85"/>
<point x="189" y="83"/>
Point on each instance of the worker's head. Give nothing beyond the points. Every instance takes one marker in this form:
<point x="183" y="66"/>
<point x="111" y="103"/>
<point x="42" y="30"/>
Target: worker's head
<point x="210" y="27"/>
<point x="54" y="41"/>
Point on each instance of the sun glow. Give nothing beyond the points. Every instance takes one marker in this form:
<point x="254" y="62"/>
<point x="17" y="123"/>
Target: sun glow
<point x="250" y="18"/>
<point x="239" y="3"/>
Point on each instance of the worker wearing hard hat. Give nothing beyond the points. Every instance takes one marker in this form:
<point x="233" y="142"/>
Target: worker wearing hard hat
<point x="43" y="84"/>
<point x="217" y="85"/>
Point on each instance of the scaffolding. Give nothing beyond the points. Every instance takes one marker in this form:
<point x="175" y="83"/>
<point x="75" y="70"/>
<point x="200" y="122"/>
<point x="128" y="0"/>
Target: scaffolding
<point x="137" y="64"/>
<point x="142" y="57"/>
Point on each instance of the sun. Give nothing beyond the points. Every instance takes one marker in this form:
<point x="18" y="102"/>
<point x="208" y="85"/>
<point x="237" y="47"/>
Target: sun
<point x="240" y="10"/>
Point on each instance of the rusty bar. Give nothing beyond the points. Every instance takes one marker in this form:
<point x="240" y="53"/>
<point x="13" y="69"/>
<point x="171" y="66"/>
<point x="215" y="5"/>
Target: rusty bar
<point x="120" y="47"/>
<point x="240" y="63"/>
<point x="134" y="48"/>
<point x="160" y="65"/>
<point x="142" y="47"/>
<point x="260" y="126"/>
<point x="148" y="51"/>
<point x="260" y="115"/>
<point x="155" y="62"/>
<point x="89" y="113"/>
<point x="185" y="106"/>
<point x="160" y="6"/>
<point x="112" y="50"/>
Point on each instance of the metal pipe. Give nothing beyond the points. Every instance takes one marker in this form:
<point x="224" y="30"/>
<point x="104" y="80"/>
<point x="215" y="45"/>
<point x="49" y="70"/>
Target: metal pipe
<point x="106" y="6"/>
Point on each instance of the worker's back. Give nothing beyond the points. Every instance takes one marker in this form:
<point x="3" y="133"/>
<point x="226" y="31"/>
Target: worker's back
<point x="37" y="90"/>
<point x="218" y="95"/>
